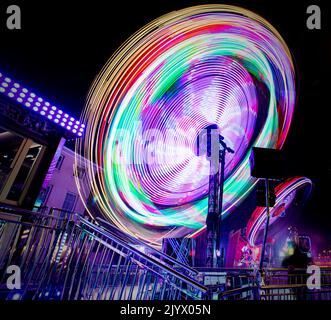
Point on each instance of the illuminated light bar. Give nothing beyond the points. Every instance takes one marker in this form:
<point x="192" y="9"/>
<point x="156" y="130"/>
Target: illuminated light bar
<point x="30" y="100"/>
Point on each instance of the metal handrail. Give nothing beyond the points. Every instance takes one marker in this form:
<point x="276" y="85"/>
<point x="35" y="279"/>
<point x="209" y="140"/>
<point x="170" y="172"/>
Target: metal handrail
<point x="29" y="224"/>
<point x="150" y="259"/>
<point x="73" y="258"/>
<point x="111" y="227"/>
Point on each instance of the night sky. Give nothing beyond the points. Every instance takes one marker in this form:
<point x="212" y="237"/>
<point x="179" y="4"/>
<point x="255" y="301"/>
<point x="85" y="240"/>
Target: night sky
<point x="62" y="46"/>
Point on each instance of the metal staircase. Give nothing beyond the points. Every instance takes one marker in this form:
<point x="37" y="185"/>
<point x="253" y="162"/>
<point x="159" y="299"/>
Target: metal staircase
<point x="66" y="256"/>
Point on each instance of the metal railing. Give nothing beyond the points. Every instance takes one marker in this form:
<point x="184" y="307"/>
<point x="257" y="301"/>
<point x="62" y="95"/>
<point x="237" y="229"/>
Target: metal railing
<point x="230" y="284"/>
<point x="65" y="256"/>
<point x="180" y="249"/>
<point x="275" y="284"/>
<point x="171" y="262"/>
<point x="282" y="284"/>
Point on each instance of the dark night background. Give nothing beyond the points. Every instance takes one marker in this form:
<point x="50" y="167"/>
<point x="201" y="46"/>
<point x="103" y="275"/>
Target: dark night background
<point x="64" y="44"/>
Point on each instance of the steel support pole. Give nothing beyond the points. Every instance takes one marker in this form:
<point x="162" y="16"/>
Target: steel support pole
<point x="220" y="253"/>
<point x="267" y="222"/>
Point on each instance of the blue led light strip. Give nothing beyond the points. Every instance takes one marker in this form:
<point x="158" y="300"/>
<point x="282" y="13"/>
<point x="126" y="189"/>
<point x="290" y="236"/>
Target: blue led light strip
<point x="31" y="101"/>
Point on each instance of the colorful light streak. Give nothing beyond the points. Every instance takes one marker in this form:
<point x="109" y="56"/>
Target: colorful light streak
<point x="210" y="64"/>
<point x="30" y="100"/>
<point x="285" y="194"/>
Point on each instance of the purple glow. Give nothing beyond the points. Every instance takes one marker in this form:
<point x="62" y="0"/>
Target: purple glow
<point x="28" y="99"/>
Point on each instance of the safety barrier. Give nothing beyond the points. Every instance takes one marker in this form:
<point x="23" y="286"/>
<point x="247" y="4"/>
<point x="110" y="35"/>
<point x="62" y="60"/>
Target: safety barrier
<point x="65" y="256"/>
<point x="61" y="255"/>
<point x="283" y="284"/>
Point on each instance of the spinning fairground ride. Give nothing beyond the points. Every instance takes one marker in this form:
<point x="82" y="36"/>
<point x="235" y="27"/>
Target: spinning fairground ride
<point x="209" y="65"/>
<point x="288" y="193"/>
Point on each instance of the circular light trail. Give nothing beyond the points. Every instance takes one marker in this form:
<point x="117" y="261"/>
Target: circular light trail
<point x="285" y="194"/>
<point x="210" y="64"/>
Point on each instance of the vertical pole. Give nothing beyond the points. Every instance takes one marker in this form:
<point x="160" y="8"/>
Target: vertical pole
<point x="216" y="156"/>
<point x="267" y="222"/>
<point x="212" y="216"/>
<point x="220" y="260"/>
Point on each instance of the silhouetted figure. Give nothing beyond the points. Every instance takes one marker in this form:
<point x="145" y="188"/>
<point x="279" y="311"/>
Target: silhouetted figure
<point x="297" y="265"/>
